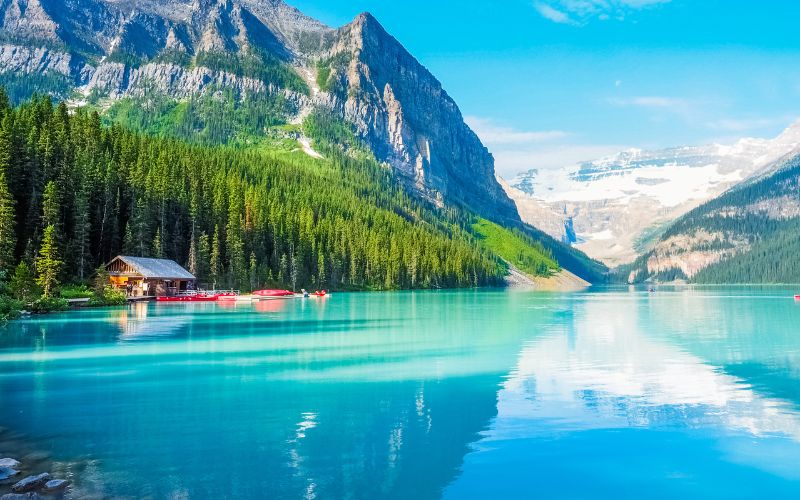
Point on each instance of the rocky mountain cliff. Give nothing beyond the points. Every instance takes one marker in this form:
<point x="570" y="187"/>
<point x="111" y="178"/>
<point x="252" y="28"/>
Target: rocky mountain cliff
<point x="104" y="51"/>
<point x="615" y="208"/>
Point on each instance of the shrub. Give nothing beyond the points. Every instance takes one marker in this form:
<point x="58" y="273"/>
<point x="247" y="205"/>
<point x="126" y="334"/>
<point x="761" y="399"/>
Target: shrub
<point x="76" y="292"/>
<point x="110" y="296"/>
<point x="23" y="284"/>
<point x="100" y="282"/>
<point x="45" y="305"/>
<point x="9" y="308"/>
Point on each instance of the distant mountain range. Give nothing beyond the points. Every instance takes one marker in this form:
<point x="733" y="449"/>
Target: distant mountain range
<point x="750" y="234"/>
<point x="275" y="64"/>
<point x="615" y="208"/>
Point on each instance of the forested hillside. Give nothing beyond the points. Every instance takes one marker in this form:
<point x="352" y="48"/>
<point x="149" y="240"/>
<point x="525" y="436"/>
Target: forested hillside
<point x="751" y="234"/>
<point x="236" y="217"/>
<point x="257" y="123"/>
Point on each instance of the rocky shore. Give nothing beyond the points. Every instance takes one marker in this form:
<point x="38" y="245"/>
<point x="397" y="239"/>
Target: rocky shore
<point x="22" y="486"/>
<point x="29" y="474"/>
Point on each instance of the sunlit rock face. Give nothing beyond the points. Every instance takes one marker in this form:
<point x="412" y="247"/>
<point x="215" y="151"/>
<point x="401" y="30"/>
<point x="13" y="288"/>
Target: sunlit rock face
<point x="403" y="110"/>
<point x="117" y="49"/>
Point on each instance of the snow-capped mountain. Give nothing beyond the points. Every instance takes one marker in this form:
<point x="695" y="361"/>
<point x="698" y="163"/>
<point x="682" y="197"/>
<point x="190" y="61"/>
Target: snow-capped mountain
<point x="612" y="207"/>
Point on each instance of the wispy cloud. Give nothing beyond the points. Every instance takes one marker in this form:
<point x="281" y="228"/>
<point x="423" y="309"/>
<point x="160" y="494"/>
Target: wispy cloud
<point x="518" y="151"/>
<point x="652" y="101"/>
<point x="661" y="109"/>
<point x="579" y="12"/>
<point x="549" y="12"/>
<point x="511" y="162"/>
<point x="747" y="124"/>
<point x="494" y="134"/>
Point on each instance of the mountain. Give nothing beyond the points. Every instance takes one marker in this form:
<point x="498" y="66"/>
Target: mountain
<point x="82" y="193"/>
<point x="175" y="66"/>
<point x="750" y="234"/>
<point x="258" y="76"/>
<point x="615" y="207"/>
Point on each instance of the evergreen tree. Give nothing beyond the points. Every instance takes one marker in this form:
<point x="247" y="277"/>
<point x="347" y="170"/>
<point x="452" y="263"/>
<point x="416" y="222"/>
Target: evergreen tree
<point x="138" y="233"/>
<point x="203" y="258"/>
<point x="237" y="267"/>
<point x="322" y="276"/>
<point x="51" y="205"/>
<point x="158" y="246"/>
<point x="191" y="264"/>
<point x="215" y="267"/>
<point x="23" y="284"/>
<point x="48" y="263"/>
<point x="7" y="232"/>
<point x="8" y="235"/>
<point x="82" y="241"/>
<point x="253" y="272"/>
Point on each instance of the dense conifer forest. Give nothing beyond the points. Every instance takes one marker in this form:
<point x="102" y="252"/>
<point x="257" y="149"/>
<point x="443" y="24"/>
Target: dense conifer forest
<point x="79" y="193"/>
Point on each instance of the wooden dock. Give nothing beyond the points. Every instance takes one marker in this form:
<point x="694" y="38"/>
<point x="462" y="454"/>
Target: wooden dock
<point x="144" y="298"/>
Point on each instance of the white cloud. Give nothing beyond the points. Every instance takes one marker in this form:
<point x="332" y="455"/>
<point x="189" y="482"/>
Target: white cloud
<point x="492" y="134"/>
<point x="746" y="124"/>
<point x="551" y="13"/>
<point x="581" y="11"/>
<point x="650" y="102"/>
<point x="518" y="151"/>
<point x="511" y="162"/>
<point x="662" y="108"/>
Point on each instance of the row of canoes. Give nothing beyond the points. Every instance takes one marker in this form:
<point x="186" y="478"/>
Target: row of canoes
<point x="235" y="297"/>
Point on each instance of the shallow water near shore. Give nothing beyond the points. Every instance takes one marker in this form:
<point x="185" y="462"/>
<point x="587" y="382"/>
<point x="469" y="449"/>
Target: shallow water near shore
<point x="691" y="392"/>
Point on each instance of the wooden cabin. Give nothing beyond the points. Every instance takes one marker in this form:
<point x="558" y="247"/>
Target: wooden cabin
<point x="145" y="277"/>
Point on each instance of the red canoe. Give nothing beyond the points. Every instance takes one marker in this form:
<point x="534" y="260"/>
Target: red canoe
<point x="275" y="294"/>
<point x="797" y="297"/>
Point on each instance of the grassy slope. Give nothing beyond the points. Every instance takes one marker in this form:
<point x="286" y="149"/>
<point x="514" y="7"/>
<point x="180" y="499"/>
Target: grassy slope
<point x="569" y="258"/>
<point x="520" y="251"/>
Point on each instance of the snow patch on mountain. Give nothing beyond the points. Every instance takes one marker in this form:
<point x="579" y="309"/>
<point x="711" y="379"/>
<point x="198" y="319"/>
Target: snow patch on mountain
<point x="607" y="207"/>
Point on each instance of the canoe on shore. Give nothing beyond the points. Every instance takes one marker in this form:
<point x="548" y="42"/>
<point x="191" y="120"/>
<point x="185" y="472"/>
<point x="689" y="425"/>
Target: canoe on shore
<point x="239" y="298"/>
<point x="189" y="298"/>
<point x="274" y="294"/>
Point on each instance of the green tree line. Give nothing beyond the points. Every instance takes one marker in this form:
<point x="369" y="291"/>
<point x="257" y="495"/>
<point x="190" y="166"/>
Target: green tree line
<point x="74" y="193"/>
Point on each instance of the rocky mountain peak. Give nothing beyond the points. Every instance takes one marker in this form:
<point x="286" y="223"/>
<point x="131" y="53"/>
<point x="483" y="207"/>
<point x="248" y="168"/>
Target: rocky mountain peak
<point x="402" y="109"/>
<point x="28" y="19"/>
<point x="124" y="48"/>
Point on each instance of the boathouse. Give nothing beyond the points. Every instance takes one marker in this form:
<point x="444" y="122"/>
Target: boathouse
<point x="145" y="277"/>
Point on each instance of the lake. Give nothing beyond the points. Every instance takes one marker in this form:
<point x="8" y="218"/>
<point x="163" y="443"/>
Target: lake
<point x="615" y="393"/>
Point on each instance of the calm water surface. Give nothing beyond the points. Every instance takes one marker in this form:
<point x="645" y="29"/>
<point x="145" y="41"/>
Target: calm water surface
<point x="478" y="394"/>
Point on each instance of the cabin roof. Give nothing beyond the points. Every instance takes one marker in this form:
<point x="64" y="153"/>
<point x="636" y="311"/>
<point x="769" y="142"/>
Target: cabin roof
<point x="156" y="268"/>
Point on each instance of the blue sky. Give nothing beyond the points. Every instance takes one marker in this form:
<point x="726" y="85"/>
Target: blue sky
<point x="546" y="83"/>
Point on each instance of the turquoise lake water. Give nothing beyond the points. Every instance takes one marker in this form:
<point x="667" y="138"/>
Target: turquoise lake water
<point x="691" y="393"/>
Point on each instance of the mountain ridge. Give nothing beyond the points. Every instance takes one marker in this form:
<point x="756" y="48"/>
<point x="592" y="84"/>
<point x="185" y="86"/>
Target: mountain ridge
<point x="106" y="50"/>
<point x="613" y="207"/>
<point x="749" y="234"/>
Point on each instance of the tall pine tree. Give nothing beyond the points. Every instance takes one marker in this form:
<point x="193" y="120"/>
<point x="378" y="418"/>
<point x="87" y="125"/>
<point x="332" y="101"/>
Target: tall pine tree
<point x="48" y="263"/>
<point x="7" y="227"/>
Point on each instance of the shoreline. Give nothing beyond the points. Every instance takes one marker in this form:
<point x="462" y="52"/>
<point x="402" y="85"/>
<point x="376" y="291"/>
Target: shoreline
<point x="64" y="477"/>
